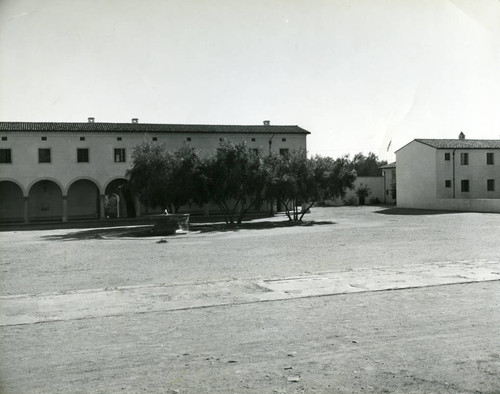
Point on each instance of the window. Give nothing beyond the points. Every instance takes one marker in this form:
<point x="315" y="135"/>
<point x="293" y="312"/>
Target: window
<point x="4" y="138"/>
<point x="490" y="185"/>
<point x="447" y="183"/>
<point x="188" y="139"/>
<point x="465" y="185"/>
<point x="44" y="138"/>
<point x="82" y="155"/>
<point x="284" y="151"/>
<point x="447" y="156"/>
<point x="254" y="151"/>
<point x="155" y="138"/>
<point x="221" y="139"/>
<point x="490" y="158"/>
<point x="464" y="159"/>
<point x="283" y="140"/>
<point x="120" y="155"/>
<point x="82" y="138"/>
<point x="253" y="139"/>
<point x="118" y="138"/>
<point x="5" y="156"/>
<point x="44" y="155"/>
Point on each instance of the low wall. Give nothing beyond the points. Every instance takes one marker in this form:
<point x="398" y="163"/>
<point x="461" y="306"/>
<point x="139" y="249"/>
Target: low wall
<point x="458" y="204"/>
<point x="374" y="183"/>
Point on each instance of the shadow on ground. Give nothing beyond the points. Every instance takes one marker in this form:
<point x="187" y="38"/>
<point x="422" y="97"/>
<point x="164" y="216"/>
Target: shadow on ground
<point x="146" y="231"/>
<point x="414" y="212"/>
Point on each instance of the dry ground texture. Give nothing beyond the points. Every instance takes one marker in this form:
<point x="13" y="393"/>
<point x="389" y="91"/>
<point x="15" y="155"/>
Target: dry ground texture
<point x="362" y="299"/>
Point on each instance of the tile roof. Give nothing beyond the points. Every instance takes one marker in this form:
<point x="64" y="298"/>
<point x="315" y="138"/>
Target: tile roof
<point x="461" y="144"/>
<point x="390" y="165"/>
<point x="146" y="128"/>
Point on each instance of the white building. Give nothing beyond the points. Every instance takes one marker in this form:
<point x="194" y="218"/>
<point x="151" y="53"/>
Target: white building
<point x="64" y="171"/>
<point x="449" y="174"/>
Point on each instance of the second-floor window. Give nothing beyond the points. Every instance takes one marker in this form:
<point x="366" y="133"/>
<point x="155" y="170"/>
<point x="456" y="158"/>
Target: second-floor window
<point x="447" y="156"/>
<point x="120" y="155"/>
<point x="82" y="155"/>
<point x="447" y="183"/>
<point x="5" y="156"/>
<point x="490" y="158"/>
<point x="464" y="159"/>
<point x="44" y="155"/>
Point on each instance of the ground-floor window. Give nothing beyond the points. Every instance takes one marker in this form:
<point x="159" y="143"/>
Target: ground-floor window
<point x="447" y="183"/>
<point x="465" y="185"/>
<point x="490" y="185"/>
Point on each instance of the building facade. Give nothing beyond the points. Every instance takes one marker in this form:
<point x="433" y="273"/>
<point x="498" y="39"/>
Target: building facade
<point x="448" y="174"/>
<point x="389" y="180"/>
<point x="66" y="171"/>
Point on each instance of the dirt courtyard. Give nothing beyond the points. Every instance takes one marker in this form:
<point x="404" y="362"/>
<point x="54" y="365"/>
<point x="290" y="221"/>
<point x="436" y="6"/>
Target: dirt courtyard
<point x="362" y="299"/>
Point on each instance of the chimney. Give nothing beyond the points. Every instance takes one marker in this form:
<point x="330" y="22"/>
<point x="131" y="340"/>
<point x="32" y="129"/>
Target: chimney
<point x="135" y="120"/>
<point x="461" y="136"/>
<point x="91" y="120"/>
<point x="267" y="122"/>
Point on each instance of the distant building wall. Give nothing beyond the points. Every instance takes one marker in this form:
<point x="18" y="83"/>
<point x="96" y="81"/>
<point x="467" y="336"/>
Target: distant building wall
<point x="416" y="176"/>
<point x="465" y="179"/>
<point x="65" y="187"/>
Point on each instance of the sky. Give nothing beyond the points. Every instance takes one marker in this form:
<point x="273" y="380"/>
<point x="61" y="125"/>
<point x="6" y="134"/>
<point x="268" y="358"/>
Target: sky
<point x="361" y="76"/>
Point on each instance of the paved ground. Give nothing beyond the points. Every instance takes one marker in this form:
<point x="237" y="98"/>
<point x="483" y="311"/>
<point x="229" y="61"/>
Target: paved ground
<point x="364" y="300"/>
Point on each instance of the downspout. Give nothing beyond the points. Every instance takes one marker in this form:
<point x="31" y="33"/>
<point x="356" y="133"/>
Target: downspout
<point x="454" y="173"/>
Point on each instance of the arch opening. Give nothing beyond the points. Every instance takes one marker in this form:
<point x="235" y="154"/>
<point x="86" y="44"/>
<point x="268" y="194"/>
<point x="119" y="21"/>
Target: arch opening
<point x="118" y="200"/>
<point x="11" y="202"/>
<point x="45" y="202"/>
<point x="83" y="200"/>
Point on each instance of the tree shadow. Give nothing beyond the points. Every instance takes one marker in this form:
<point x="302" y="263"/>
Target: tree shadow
<point x="264" y="225"/>
<point x="415" y="212"/>
<point x="147" y="231"/>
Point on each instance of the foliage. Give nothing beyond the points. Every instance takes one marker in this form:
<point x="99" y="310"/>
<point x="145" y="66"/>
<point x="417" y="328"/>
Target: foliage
<point x="185" y="181"/>
<point x="363" y="191"/>
<point x="235" y="180"/>
<point x="367" y="165"/>
<point x="296" y="180"/>
<point x="148" y="175"/>
<point x="165" y="179"/>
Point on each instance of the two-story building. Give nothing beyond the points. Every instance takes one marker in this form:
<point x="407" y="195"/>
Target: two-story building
<point x="65" y="171"/>
<point x="451" y="174"/>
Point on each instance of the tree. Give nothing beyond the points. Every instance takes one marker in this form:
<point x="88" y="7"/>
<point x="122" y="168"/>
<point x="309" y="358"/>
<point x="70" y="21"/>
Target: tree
<point x="148" y="175"/>
<point x="290" y="180"/>
<point x="294" y="180"/>
<point x="367" y="165"/>
<point x="362" y="192"/>
<point x="185" y="181"/>
<point x="235" y="180"/>
<point x="165" y="179"/>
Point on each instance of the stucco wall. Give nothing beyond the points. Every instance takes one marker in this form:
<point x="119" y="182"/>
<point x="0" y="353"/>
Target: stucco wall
<point x="477" y="172"/>
<point x="416" y="176"/>
<point x="101" y="167"/>
<point x="374" y="183"/>
<point x="422" y="172"/>
<point x="475" y="205"/>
